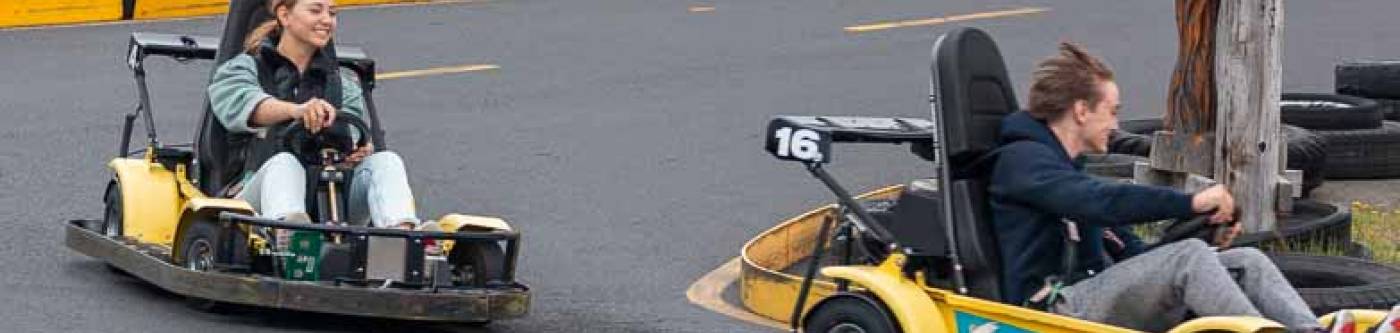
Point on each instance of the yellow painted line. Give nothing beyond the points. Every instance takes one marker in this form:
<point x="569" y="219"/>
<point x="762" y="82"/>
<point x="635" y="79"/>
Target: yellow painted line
<point x="701" y="9"/>
<point x="942" y="20"/>
<point x="435" y="71"/>
<point x="708" y="293"/>
<point x="177" y="19"/>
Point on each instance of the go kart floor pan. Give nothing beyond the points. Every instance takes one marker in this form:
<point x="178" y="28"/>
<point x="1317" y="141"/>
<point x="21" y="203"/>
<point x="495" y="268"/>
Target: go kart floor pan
<point x="444" y="305"/>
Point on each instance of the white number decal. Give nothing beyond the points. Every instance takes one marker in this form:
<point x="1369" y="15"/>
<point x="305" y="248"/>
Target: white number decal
<point x="800" y="144"/>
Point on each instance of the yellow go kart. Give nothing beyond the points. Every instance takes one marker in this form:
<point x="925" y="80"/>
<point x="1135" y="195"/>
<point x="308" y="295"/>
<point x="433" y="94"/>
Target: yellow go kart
<point x="930" y="263"/>
<point x="170" y="222"/>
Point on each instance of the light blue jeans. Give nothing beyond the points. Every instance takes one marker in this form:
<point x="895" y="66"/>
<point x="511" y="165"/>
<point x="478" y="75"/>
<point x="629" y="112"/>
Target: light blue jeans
<point x="379" y="192"/>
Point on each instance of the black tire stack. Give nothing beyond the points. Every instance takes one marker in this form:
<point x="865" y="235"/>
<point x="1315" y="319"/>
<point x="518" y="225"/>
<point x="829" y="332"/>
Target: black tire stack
<point x="1367" y="152"/>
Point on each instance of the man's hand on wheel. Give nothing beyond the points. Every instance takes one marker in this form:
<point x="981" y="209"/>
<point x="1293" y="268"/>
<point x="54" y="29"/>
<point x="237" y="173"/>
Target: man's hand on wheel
<point x="1224" y="239"/>
<point x="1215" y="198"/>
<point x="1218" y="199"/>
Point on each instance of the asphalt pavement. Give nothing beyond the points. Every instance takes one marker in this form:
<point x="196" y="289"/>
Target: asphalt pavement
<point x="623" y="138"/>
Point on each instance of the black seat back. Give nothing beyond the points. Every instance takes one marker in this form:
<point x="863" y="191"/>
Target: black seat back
<point x="970" y="94"/>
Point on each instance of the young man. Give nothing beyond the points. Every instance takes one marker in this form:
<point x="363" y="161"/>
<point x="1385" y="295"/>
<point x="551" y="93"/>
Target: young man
<point x="1037" y="183"/>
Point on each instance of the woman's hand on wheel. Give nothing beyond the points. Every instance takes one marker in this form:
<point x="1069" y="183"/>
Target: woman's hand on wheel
<point x="316" y="114"/>
<point x="360" y="154"/>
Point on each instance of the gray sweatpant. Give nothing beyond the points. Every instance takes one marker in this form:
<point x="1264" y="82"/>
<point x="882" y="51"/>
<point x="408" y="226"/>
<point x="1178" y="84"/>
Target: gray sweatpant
<point x="1153" y="291"/>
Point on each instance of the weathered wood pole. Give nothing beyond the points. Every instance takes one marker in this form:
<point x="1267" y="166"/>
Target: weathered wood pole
<point x="1249" y="78"/>
<point x="1222" y="106"/>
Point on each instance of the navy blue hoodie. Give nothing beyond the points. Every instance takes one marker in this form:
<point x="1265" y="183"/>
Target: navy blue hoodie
<point x="1035" y="183"/>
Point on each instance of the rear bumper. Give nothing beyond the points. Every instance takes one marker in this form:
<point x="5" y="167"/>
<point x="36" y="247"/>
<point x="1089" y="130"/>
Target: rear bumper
<point x="444" y="305"/>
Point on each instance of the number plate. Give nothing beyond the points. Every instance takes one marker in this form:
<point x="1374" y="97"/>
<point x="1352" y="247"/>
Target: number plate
<point x="793" y="141"/>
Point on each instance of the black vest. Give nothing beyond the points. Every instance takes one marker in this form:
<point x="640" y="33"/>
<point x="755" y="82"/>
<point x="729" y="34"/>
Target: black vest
<point x="279" y="78"/>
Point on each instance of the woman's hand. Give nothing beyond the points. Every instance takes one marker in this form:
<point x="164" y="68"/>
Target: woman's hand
<point x="360" y="153"/>
<point x="316" y="114"/>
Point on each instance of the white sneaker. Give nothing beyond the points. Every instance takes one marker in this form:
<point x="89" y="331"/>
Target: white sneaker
<point x="1343" y="322"/>
<point x="1391" y="323"/>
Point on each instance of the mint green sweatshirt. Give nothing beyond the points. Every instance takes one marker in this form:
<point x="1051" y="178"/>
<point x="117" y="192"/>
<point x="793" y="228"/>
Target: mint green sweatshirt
<point x="235" y="92"/>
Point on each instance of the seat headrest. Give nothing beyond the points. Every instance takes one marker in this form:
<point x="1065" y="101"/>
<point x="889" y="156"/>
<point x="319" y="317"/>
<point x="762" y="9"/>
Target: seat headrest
<point x="971" y="92"/>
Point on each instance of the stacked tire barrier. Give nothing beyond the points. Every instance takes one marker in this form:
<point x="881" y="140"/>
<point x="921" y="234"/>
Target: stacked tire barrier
<point x="1368" y="152"/>
<point x="21" y="13"/>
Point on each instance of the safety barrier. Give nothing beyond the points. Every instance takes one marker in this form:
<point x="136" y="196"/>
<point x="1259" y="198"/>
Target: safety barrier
<point x="20" y="13"/>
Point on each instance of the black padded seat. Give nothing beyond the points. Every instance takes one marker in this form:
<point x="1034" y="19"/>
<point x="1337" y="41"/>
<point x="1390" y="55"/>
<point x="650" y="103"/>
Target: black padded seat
<point x="212" y="141"/>
<point x="971" y="94"/>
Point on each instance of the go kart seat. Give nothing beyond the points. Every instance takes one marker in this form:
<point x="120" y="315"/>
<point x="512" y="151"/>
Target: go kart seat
<point x="217" y="166"/>
<point x="971" y="94"/>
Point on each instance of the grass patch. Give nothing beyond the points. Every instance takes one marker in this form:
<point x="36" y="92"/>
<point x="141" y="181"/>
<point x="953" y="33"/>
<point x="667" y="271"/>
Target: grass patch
<point x="1378" y="229"/>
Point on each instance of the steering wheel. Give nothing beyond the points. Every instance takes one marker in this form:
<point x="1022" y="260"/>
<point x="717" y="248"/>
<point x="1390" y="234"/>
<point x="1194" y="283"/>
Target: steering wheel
<point x="1196" y="227"/>
<point x="307" y="146"/>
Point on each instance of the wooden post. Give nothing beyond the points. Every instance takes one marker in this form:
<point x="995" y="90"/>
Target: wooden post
<point x="1249" y="76"/>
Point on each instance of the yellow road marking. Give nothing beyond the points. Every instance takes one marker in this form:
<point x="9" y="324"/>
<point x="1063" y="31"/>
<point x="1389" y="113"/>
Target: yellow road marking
<point x="177" y="19"/>
<point x="701" y="9"/>
<point x="434" y="71"/>
<point x="708" y="291"/>
<point x="941" y="20"/>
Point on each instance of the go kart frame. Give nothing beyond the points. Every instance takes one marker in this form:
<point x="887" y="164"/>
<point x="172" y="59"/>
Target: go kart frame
<point x="930" y="263"/>
<point x="166" y="224"/>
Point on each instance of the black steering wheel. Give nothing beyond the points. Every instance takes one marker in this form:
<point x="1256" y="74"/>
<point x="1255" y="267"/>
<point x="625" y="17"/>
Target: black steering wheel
<point x="1195" y="227"/>
<point x="307" y="146"/>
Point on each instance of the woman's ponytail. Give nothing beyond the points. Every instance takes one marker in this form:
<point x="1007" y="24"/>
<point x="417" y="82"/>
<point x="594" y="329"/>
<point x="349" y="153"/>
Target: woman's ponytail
<point x="269" y="28"/>
<point x="256" y="37"/>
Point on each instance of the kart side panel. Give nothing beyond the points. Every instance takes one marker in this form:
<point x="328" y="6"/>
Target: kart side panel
<point x="151" y="200"/>
<point x="906" y="300"/>
<point x="446" y="305"/>
<point x="1229" y="324"/>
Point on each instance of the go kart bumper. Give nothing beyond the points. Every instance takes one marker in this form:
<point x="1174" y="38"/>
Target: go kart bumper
<point x="148" y="263"/>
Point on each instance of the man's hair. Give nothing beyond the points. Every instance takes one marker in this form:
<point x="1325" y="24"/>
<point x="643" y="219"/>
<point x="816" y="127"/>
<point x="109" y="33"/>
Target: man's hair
<point x="1067" y="77"/>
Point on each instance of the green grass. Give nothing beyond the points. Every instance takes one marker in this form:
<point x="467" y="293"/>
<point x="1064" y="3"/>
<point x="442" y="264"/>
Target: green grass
<point x="1378" y="229"/>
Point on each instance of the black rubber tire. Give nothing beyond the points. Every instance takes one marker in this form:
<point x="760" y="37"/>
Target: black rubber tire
<point x="1390" y="108"/>
<point x="1329" y="283"/>
<point x="847" y="312"/>
<point x="1329" y="111"/>
<point x="1375" y="79"/>
<point x="477" y="264"/>
<point x="1313" y="225"/>
<point x="1111" y="165"/>
<point x="1307" y="151"/>
<point x="198" y="246"/>
<point x="111" y="224"/>
<point x="1363" y="154"/>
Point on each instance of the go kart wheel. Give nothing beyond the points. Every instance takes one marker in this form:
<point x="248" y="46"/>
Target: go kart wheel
<point x="197" y="252"/>
<point x="111" y="225"/>
<point x="477" y="263"/>
<point x="849" y="313"/>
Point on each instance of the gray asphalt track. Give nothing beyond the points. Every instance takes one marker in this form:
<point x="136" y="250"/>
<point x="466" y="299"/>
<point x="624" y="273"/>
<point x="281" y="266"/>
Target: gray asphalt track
<point x="622" y="137"/>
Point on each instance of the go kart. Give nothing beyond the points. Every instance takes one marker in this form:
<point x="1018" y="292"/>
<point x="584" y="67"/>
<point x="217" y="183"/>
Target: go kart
<point x="926" y="260"/>
<point x="170" y="219"/>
